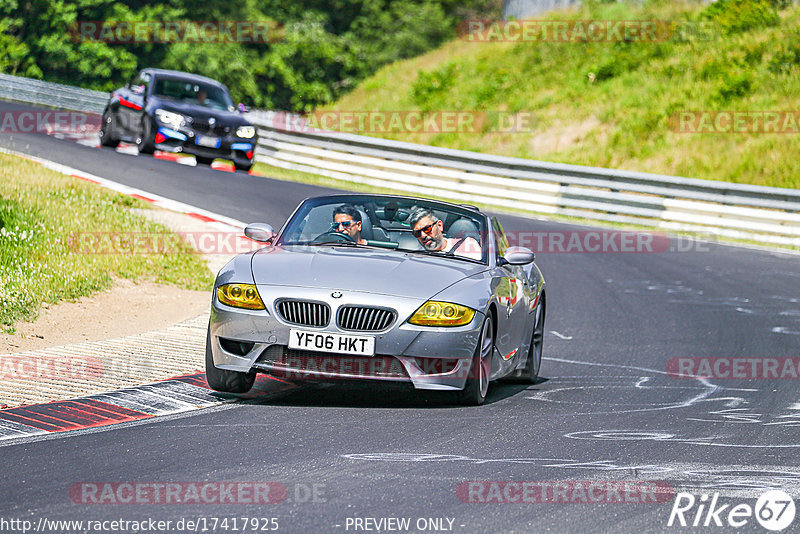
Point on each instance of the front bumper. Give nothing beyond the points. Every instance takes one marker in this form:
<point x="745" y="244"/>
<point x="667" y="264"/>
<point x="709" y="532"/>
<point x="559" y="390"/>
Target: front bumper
<point x="186" y="140"/>
<point x="427" y="357"/>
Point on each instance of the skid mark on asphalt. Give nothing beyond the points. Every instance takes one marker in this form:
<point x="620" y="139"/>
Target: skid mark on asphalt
<point x="560" y="336"/>
<point x="729" y="480"/>
<point x="703" y="389"/>
<point x="705" y="402"/>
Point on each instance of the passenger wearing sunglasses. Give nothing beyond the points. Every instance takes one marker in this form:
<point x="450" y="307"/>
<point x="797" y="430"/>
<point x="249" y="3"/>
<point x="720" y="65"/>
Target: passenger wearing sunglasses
<point x="347" y="220"/>
<point x="429" y="231"/>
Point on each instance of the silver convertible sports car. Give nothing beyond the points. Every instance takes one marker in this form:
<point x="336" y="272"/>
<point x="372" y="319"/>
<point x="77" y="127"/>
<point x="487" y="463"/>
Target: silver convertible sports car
<point x="379" y="288"/>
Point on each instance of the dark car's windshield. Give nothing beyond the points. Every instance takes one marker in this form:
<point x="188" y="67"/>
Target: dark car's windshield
<point x="192" y="92"/>
<point x="396" y="223"/>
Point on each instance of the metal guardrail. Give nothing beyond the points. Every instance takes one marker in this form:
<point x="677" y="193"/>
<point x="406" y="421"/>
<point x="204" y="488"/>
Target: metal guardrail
<point x="53" y="95"/>
<point x="765" y="214"/>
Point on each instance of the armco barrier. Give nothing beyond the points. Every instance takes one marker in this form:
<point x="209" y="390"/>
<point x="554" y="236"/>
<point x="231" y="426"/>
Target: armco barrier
<point x="49" y="94"/>
<point x="765" y="214"/>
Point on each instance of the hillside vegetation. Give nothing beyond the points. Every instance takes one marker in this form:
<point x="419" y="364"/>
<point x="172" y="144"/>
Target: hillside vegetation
<point x="314" y="51"/>
<point x="617" y="104"/>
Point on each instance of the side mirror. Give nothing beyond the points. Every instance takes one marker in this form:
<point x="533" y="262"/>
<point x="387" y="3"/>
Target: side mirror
<point x="517" y="256"/>
<point x="261" y="232"/>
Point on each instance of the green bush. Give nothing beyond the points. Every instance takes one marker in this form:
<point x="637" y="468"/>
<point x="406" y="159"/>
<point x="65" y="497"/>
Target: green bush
<point x="785" y="56"/>
<point x="736" y="16"/>
<point x="432" y="86"/>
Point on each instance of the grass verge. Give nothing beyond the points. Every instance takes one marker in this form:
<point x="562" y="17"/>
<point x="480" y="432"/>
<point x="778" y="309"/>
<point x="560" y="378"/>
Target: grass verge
<point x="618" y="104"/>
<point x="42" y="212"/>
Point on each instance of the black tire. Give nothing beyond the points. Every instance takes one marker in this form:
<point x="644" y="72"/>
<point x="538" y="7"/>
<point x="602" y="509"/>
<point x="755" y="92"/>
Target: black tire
<point x="474" y="392"/>
<point x="146" y="141"/>
<point x="243" y="166"/>
<point x="226" y="381"/>
<point x="202" y="160"/>
<point x="533" y="363"/>
<point x="107" y="131"/>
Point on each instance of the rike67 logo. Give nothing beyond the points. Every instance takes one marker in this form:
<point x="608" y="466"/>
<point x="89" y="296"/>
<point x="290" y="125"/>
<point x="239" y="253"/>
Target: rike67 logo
<point x="774" y="510"/>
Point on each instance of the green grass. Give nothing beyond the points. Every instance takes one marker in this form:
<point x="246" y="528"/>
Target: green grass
<point x="43" y="214"/>
<point x="612" y="104"/>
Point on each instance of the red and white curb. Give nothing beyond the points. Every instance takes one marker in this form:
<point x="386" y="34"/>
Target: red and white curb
<point x="93" y="141"/>
<point x="177" y="395"/>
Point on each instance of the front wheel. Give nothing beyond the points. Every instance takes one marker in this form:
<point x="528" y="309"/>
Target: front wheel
<point x="107" y="137"/>
<point x="530" y="372"/>
<point x="146" y="142"/>
<point x="474" y="392"/>
<point x="243" y="166"/>
<point x="223" y="380"/>
<point x="202" y="160"/>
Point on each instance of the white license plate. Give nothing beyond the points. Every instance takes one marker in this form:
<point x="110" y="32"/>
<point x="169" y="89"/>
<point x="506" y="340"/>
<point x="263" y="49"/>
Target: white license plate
<point x="336" y="343"/>
<point x="205" y="140"/>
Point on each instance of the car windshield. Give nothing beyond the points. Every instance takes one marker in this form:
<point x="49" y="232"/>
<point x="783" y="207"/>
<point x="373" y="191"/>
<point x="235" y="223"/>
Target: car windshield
<point x="192" y="92"/>
<point x="393" y="223"/>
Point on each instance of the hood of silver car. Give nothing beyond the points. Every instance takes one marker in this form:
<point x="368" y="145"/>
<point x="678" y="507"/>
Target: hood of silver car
<point x="360" y="269"/>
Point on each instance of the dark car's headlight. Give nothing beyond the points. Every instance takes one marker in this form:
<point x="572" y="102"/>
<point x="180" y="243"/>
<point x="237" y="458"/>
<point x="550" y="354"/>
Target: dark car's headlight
<point x="435" y="313"/>
<point x="240" y="296"/>
<point x="245" y="132"/>
<point x="170" y="118"/>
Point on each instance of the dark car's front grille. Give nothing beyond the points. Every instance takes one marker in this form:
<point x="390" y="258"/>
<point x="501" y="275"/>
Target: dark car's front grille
<point x="207" y="129"/>
<point x="304" y="312"/>
<point x="364" y="318"/>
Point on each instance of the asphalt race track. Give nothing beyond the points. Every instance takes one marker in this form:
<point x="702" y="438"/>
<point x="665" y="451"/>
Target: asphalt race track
<point x="605" y="410"/>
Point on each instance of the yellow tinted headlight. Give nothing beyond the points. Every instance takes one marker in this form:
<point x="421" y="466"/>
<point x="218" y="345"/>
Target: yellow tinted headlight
<point x="434" y="313"/>
<point x="240" y="296"/>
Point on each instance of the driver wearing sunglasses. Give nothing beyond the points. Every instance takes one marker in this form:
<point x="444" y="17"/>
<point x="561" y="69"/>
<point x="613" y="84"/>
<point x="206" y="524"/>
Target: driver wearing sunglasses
<point x="429" y="231"/>
<point x="347" y="220"/>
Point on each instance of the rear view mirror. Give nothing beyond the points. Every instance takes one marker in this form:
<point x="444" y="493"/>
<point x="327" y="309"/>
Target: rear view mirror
<point x="261" y="232"/>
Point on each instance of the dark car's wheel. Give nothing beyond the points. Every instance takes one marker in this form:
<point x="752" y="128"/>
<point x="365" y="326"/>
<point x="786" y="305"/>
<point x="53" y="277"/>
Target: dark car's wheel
<point x="530" y="372"/>
<point x="474" y="393"/>
<point x="226" y="381"/>
<point x="146" y="141"/>
<point x="202" y="160"/>
<point x="243" y="166"/>
<point x="107" y="137"/>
